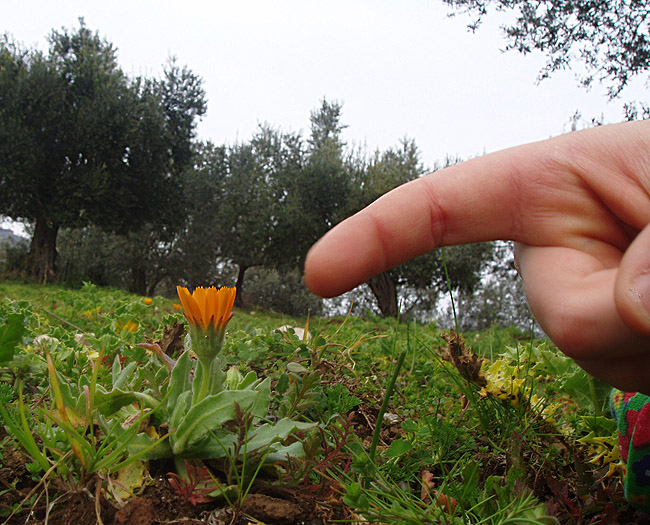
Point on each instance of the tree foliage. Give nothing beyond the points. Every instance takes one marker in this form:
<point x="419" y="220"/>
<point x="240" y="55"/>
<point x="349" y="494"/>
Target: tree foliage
<point x="325" y="186"/>
<point x="80" y="143"/>
<point x="264" y="202"/>
<point x="241" y="213"/>
<point x="611" y="38"/>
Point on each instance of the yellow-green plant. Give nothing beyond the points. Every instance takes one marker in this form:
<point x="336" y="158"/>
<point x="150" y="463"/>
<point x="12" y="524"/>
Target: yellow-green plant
<point x="71" y="439"/>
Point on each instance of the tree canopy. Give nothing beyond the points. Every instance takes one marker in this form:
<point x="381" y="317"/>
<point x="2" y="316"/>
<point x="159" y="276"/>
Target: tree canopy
<point x="266" y="201"/>
<point x="81" y="143"/>
<point x="610" y="38"/>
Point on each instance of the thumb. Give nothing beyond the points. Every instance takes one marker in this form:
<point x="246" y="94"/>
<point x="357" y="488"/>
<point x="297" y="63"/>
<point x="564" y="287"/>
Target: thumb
<point x="632" y="287"/>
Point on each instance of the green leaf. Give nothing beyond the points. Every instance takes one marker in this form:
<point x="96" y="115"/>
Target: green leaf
<point x="209" y="414"/>
<point x="248" y="380"/>
<point x="11" y="334"/>
<point x="180" y="408"/>
<point x="110" y="402"/>
<point x="146" y="448"/>
<point x="121" y="376"/>
<point x="283" y="384"/>
<point x="213" y="446"/>
<point x="297" y="368"/>
<point x="398" y="448"/>
<point x="180" y="378"/>
<point x="409" y="426"/>
<point x="260" y="408"/>
<point x="268" y="433"/>
<point x="116" y="369"/>
<point x="216" y="444"/>
<point x="356" y="497"/>
<point x="281" y="453"/>
<point x="21" y="431"/>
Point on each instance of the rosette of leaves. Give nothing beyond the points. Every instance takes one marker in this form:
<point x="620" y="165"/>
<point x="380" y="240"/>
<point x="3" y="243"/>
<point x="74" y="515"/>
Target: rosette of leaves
<point x="225" y="415"/>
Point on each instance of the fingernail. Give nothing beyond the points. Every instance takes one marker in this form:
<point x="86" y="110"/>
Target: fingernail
<point x="641" y="291"/>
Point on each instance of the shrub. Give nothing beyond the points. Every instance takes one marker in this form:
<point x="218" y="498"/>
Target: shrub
<point x="280" y="291"/>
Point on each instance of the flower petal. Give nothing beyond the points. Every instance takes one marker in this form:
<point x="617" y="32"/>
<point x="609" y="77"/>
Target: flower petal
<point x="192" y="310"/>
<point x="208" y="307"/>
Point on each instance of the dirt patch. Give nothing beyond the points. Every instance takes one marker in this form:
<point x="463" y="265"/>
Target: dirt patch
<point x="271" y="510"/>
<point x="157" y="504"/>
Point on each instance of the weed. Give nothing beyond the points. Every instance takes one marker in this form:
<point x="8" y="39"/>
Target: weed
<point x="195" y="486"/>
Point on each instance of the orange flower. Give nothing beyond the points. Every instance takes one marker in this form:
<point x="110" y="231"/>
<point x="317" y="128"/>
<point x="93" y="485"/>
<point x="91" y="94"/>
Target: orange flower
<point x="208" y="307"/>
<point x="177" y="306"/>
<point x="148" y="300"/>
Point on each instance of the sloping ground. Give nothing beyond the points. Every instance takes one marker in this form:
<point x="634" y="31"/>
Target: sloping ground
<point x="504" y="431"/>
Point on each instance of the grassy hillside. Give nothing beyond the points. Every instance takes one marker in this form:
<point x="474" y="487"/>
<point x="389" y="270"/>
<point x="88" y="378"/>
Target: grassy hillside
<point x="358" y="420"/>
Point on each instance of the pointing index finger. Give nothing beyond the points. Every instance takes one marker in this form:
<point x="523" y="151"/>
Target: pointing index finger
<point x="469" y="202"/>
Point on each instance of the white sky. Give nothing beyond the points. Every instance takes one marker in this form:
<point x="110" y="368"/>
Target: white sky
<point x="400" y="68"/>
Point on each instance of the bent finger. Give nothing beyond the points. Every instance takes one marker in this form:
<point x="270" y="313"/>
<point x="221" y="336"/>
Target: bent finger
<point x="475" y="201"/>
<point x="571" y="294"/>
<point x="633" y="284"/>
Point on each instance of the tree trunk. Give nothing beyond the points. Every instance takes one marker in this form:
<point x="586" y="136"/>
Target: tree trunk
<point x="138" y="281"/>
<point x="384" y="290"/>
<point x="42" y="252"/>
<point x="239" y="298"/>
<point x="151" y="290"/>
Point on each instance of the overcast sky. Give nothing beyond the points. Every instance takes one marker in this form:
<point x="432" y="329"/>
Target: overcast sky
<point x="400" y="68"/>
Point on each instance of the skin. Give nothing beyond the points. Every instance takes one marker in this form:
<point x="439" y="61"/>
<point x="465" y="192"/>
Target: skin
<point x="577" y="207"/>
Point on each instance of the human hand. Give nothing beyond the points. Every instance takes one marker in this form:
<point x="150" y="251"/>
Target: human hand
<point x="578" y="208"/>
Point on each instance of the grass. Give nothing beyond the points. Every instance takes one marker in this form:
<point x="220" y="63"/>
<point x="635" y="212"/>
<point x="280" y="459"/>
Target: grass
<point x="400" y="423"/>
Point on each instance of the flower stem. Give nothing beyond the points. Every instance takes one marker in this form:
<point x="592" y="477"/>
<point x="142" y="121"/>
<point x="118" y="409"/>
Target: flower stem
<point x="202" y="374"/>
<point x="209" y="379"/>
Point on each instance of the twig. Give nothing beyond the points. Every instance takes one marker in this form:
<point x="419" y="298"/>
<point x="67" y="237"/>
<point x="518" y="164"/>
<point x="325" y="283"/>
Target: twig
<point x="64" y="321"/>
